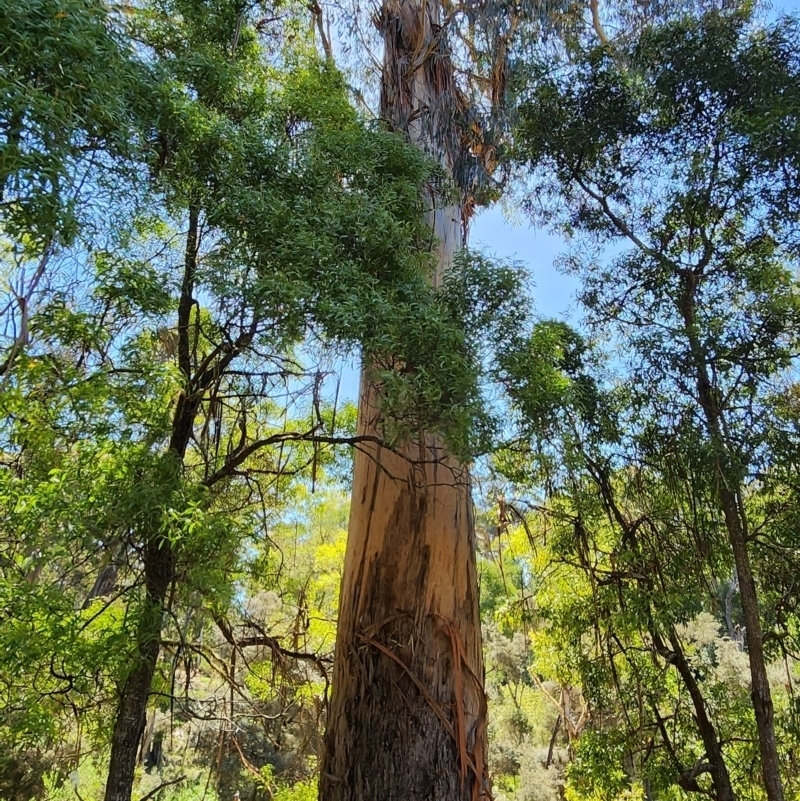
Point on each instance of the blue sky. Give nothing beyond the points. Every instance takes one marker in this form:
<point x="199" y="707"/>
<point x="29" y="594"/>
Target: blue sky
<point x="537" y="249"/>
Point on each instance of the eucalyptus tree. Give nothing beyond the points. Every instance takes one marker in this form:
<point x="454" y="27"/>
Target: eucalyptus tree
<point x="679" y="150"/>
<point x="629" y="553"/>
<point x="408" y="709"/>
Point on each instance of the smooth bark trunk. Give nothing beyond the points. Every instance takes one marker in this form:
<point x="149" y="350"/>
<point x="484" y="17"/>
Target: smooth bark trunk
<point x="407" y="720"/>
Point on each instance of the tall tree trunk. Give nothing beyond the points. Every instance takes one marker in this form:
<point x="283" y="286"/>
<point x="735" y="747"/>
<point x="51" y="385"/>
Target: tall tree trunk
<point x="407" y="718"/>
<point x="733" y="586"/>
<point x="408" y="715"/>
<point x="675" y="656"/>
<point x="760" y="692"/>
<point x="736" y="526"/>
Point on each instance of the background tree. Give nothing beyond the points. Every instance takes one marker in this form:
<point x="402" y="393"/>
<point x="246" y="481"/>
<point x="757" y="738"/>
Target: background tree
<point x="650" y="147"/>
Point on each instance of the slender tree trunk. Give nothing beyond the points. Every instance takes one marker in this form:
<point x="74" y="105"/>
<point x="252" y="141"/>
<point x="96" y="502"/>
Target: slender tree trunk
<point x="407" y="720"/>
<point x="716" y="766"/>
<point x="159" y="563"/>
<point x="723" y="790"/>
<point x="735" y="524"/>
<point x="729" y="593"/>
<point x="760" y="693"/>
<point x="132" y="710"/>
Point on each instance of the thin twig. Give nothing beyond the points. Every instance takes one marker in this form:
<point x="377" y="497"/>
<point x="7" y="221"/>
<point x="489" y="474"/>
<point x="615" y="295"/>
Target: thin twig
<point x="161" y="787"/>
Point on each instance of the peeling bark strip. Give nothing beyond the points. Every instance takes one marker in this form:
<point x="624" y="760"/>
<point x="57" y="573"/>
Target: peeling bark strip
<point x="407" y="719"/>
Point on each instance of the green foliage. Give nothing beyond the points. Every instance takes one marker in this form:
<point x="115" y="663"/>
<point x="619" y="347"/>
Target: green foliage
<point x="193" y="213"/>
<point x="651" y="154"/>
<point x="132" y="144"/>
<point x="71" y="91"/>
<point x="301" y="791"/>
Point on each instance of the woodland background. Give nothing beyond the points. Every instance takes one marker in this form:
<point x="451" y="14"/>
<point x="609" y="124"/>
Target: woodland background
<point x="202" y="221"/>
